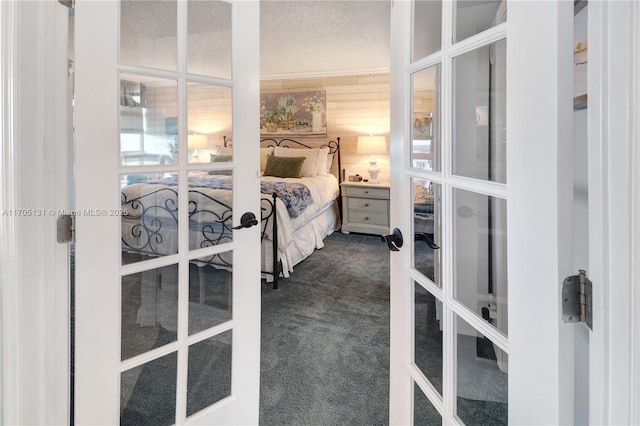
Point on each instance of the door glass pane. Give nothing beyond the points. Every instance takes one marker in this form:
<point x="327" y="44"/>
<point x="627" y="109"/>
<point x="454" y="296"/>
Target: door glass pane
<point x="209" y="294"/>
<point x="148" y="34"/>
<point x="209" y="122"/>
<point x="480" y="255"/>
<point x="427" y="28"/>
<point x="148" y="393"/>
<point x="427" y="335"/>
<point x="427" y="228"/>
<point x="149" y="314"/>
<point x="211" y="212"/>
<point x="424" y="413"/>
<point x="482" y="378"/>
<point x="148" y="107"/>
<point x="149" y="204"/>
<point x="425" y="140"/>
<point x="479" y="113"/>
<point x="474" y="16"/>
<point x="209" y="38"/>
<point x="209" y="376"/>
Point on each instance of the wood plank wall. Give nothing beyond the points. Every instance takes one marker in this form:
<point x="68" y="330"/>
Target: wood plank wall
<point x="356" y="105"/>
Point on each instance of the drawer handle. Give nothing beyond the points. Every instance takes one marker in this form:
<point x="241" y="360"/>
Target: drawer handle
<point x="366" y="204"/>
<point x="366" y="218"/>
<point x="366" y="192"/>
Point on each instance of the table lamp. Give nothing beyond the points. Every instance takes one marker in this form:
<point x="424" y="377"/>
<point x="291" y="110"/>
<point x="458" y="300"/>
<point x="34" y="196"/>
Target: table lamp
<point x="196" y="142"/>
<point x="372" y="145"/>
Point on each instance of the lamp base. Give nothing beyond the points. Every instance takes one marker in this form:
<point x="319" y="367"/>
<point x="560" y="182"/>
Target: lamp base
<point x="373" y="171"/>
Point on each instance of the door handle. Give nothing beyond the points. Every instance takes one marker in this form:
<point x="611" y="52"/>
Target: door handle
<point x="393" y="240"/>
<point x="428" y="237"/>
<point x="247" y="221"/>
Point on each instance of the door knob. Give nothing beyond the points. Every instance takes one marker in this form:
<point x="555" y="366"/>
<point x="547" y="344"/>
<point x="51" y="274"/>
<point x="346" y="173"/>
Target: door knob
<point x="247" y="221"/>
<point x="393" y="240"/>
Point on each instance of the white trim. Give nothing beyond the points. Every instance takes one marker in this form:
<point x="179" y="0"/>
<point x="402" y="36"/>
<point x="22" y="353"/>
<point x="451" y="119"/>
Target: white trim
<point x="324" y="74"/>
<point x="598" y="357"/>
<point x="10" y="273"/>
<point x="635" y="214"/>
<point x="612" y="59"/>
<point x="34" y="269"/>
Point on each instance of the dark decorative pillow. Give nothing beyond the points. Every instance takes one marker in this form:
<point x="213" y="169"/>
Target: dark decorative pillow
<point x="286" y="167"/>
<point x="221" y="158"/>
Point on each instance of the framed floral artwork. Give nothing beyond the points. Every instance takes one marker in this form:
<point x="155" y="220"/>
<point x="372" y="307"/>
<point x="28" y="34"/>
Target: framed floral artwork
<point x="293" y="113"/>
<point x="422" y="125"/>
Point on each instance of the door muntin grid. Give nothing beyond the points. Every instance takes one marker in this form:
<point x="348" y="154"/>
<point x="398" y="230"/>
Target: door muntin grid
<point x="172" y="325"/>
<point x="482" y="177"/>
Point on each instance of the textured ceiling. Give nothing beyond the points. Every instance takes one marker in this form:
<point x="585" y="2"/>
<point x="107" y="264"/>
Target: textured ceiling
<point x="323" y="37"/>
<point x="298" y="38"/>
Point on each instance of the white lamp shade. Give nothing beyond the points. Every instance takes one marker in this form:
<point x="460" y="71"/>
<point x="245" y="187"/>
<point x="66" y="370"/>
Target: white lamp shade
<point x="198" y="142"/>
<point x="371" y="145"/>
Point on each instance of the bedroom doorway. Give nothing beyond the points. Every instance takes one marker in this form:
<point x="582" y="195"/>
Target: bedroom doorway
<point x="29" y="350"/>
<point x="166" y="327"/>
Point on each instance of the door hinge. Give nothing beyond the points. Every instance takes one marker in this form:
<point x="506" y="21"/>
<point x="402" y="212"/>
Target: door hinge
<point x="577" y="299"/>
<point x="66" y="225"/>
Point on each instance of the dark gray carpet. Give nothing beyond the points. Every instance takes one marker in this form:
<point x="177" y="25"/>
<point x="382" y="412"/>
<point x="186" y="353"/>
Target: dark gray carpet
<point x="325" y="338"/>
<point x="325" y="346"/>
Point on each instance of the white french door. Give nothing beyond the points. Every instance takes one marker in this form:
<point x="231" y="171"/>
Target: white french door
<point x="480" y="191"/>
<point x="164" y="335"/>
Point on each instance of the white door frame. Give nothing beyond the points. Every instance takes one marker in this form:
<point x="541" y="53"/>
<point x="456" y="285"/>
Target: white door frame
<point x="35" y="176"/>
<point x="614" y="209"/>
<point x="635" y="214"/>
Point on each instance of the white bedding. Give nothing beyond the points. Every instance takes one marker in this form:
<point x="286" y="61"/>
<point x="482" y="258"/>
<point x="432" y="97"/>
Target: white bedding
<point x="324" y="190"/>
<point x="297" y="237"/>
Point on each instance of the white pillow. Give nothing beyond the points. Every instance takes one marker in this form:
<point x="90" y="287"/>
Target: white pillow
<point x="329" y="163"/>
<point x="263" y="157"/>
<point x="321" y="169"/>
<point x="310" y="163"/>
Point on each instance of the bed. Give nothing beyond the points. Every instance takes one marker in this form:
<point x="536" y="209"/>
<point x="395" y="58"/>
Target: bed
<point x="297" y="213"/>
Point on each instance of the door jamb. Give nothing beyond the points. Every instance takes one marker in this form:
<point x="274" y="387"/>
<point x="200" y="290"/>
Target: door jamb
<point x="635" y="214"/>
<point x="34" y="347"/>
<point x="10" y="274"/>
<point x="614" y="89"/>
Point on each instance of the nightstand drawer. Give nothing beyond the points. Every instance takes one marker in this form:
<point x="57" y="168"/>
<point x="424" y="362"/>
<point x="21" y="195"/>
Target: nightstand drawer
<point x="369" y="218"/>
<point x="366" y="192"/>
<point x="367" y="204"/>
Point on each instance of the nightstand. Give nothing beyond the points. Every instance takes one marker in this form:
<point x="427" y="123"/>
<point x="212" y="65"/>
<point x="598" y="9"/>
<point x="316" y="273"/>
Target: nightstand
<point x="365" y="208"/>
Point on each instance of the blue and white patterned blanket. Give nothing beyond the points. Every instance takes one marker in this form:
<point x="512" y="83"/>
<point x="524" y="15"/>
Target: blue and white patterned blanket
<point x="296" y="196"/>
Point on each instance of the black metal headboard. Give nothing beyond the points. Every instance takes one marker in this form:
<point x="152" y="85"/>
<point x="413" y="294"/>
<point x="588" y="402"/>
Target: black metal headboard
<point x="334" y="148"/>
